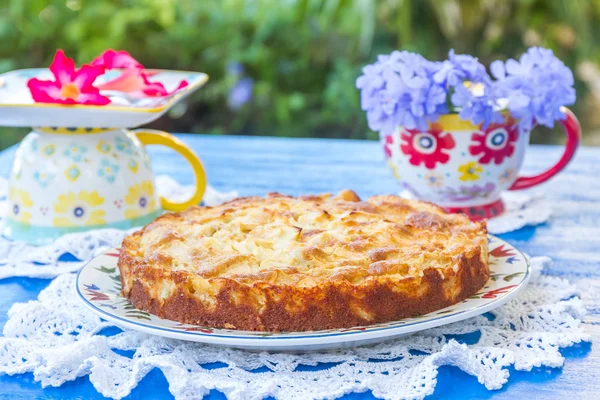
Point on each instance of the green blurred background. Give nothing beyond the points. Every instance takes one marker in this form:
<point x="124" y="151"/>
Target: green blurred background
<point x="287" y="67"/>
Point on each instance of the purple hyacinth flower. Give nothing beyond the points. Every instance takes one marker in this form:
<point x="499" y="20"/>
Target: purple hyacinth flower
<point x="241" y="93"/>
<point x="479" y="109"/>
<point x="405" y="89"/>
<point x="398" y="90"/>
<point x="460" y="68"/>
<point x="536" y="87"/>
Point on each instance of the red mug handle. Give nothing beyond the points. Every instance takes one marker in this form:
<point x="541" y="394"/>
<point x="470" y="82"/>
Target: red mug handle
<point x="573" y="131"/>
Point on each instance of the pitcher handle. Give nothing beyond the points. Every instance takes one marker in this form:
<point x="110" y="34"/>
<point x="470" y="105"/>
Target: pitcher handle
<point x="151" y="136"/>
<point x="573" y="131"/>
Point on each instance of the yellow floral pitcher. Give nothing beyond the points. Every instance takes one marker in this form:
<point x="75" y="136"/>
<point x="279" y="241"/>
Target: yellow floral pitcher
<point x="75" y="179"/>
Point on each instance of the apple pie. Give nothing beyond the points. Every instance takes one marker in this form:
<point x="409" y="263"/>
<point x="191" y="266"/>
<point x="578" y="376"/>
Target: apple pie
<point x="283" y="263"/>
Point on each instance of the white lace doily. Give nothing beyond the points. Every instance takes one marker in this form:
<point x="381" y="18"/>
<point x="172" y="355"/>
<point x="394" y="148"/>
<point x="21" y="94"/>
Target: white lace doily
<point x="20" y="259"/>
<point x="57" y="339"/>
<point x="522" y="209"/>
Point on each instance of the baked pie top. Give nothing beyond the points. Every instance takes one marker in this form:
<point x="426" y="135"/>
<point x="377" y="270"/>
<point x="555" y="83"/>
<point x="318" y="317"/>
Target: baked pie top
<point x="308" y="240"/>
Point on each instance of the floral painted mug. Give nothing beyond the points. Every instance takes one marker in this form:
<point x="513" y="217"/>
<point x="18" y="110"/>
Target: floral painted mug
<point x="463" y="167"/>
<point x="67" y="180"/>
<point x="75" y="179"/>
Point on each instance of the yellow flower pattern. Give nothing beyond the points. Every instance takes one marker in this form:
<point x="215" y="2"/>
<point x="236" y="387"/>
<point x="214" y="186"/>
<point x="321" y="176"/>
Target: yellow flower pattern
<point x="72" y="173"/>
<point x="48" y="150"/>
<point x="133" y="165"/>
<point x="20" y="201"/>
<point x="508" y="175"/>
<point x="394" y="169"/>
<point x="470" y="171"/>
<point x="103" y="147"/>
<point x="79" y="209"/>
<point x="140" y="200"/>
<point x="434" y="180"/>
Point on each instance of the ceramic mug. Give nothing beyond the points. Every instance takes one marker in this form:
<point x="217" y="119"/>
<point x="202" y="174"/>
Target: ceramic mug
<point x="74" y="179"/>
<point x="463" y="167"/>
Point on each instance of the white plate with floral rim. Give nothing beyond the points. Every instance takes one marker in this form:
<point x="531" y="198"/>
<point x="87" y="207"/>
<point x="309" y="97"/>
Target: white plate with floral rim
<point x="17" y="107"/>
<point x="98" y="286"/>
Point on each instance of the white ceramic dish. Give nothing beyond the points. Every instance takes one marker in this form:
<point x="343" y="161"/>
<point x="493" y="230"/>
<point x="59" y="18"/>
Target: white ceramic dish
<point x="17" y="107"/>
<point x="98" y="286"/>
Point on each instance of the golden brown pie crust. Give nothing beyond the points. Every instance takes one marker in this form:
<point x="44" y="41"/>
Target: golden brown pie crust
<point x="283" y="263"/>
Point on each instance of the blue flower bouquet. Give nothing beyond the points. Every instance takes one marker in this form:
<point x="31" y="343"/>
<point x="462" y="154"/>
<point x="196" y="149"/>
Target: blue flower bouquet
<point x="455" y="134"/>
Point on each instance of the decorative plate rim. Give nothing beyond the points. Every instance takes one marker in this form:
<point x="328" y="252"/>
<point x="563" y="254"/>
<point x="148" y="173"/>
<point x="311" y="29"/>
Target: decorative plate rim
<point x="296" y="339"/>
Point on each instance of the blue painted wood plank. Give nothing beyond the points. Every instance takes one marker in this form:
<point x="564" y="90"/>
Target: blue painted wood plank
<point x="255" y="166"/>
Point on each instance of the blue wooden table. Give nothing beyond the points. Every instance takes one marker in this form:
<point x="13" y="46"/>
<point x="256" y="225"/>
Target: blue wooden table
<point x="297" y="166"/>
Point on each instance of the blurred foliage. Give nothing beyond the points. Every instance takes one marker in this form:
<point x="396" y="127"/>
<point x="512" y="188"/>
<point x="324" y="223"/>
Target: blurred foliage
<point x="302" y="55"/>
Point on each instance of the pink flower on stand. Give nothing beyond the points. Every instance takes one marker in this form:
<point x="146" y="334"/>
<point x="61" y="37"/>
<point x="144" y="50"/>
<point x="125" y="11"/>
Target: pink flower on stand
<point x="133" y="80"/>
<point x="116" y="59"/>
<point x="70" y="85"/>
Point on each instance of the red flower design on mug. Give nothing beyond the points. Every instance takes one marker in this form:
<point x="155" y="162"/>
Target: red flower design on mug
<point x="429" y="148"/>
<point x="496" y="143"/>
<point x="70" y="85"/>
<point x="387" y="146"/>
